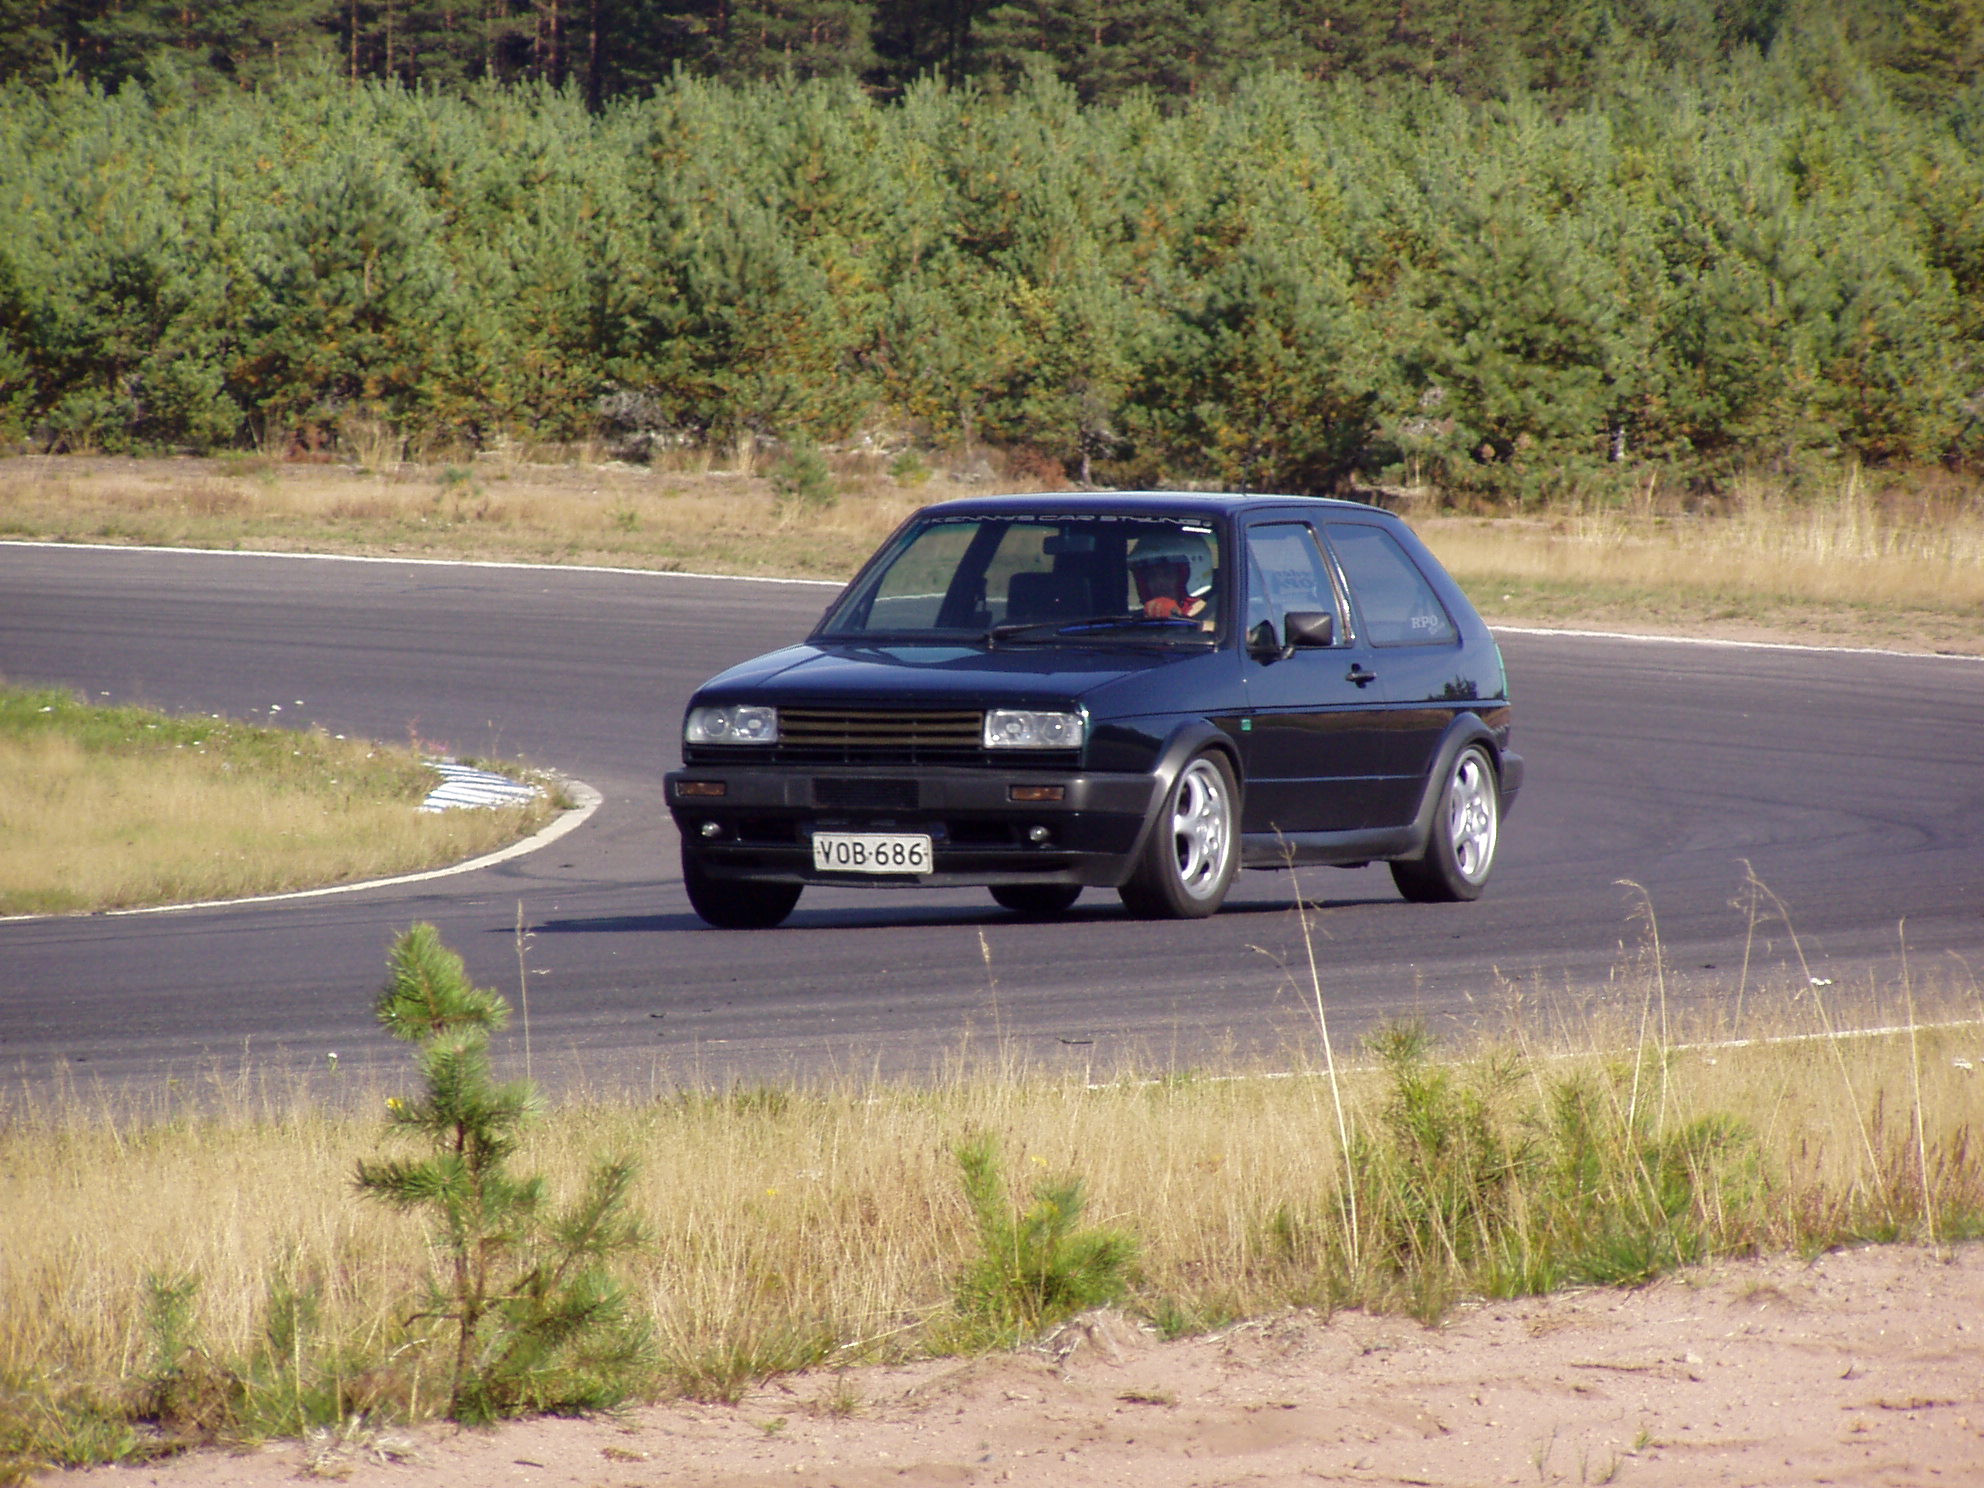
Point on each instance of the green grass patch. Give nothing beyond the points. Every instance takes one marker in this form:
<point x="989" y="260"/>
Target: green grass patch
<point x="115" y="807"/>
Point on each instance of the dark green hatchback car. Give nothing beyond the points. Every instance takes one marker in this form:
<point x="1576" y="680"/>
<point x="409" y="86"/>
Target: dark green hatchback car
<point x="1040" y="694"/>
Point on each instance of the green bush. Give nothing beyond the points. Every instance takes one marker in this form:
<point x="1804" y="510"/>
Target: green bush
<point x="802" y="478"/>
<point x="1490" y="1178"/>
<point x="909" y="469"/>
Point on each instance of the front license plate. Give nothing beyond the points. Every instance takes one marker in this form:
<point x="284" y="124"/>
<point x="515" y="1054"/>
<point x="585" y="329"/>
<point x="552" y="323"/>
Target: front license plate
<point x="871" y="852"/>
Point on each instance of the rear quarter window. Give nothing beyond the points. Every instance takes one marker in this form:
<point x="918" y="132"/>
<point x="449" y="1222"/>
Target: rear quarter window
<point x="1397" y="605"/>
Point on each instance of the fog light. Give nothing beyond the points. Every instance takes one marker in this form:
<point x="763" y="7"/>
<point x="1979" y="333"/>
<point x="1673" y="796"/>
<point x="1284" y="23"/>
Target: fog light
<point x="1038" y="834"/>
<point x="711" y="829"/>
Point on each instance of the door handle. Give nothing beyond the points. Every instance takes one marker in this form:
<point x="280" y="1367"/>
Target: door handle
<point x="1359" y="675"/>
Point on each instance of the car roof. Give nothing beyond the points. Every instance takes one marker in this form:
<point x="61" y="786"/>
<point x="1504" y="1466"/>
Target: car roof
<point x="1134" y="503"/>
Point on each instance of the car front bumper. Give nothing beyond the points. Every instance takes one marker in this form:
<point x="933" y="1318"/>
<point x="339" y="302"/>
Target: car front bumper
<point x="761" y="827"/>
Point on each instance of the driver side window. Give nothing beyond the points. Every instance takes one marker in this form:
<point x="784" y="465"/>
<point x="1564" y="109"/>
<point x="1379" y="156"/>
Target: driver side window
<point x="1285" y="573"/>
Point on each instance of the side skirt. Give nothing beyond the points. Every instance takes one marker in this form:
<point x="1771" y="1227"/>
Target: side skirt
<point x="1348" y="849"/>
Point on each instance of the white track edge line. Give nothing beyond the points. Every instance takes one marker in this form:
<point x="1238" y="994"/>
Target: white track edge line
<point x="566" y="821"/>
<point x="1732" y="645"/>
<point x="1886" y="1031"/>
<point x="585" y="568"/>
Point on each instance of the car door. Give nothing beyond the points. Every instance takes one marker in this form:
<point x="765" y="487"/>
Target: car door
<point x="1313" y="739"/>
<point x="1414" y="646"/>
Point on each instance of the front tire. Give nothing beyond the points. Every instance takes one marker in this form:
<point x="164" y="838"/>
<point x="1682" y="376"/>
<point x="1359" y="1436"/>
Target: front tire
<point x="736" y="903"/>
<point x="1036" y="901"/>
<point x="1467" y="824"/>
<point x="1187" y="865"/>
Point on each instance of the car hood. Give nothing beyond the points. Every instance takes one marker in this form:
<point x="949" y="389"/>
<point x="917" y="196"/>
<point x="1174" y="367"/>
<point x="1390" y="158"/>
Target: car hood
<point x="972" y="676"/>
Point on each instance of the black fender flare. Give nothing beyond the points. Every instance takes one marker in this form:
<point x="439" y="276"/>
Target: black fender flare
<point x="1187" y="742"/>
<point x="1466" y="729"/>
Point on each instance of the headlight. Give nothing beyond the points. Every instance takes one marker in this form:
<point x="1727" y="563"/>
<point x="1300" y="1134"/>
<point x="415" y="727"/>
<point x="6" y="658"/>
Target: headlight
<point x="735" y="723"/>
<point x="1022" y="728"/>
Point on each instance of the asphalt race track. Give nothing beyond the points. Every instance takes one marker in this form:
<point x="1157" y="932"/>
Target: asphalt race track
<point x="1851" y="783"/>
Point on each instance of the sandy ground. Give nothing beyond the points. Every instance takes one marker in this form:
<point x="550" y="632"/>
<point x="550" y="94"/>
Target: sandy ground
<point x="1862" y="1367"/>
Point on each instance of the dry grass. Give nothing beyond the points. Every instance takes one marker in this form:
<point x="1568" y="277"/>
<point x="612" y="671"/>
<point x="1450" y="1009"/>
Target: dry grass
<point x="1843" y="562"/>
<point x="795" y="1225"/>
<point x="1855" y="566"/>
<point x="698" y="518"/>
<point x="107" y="808"/>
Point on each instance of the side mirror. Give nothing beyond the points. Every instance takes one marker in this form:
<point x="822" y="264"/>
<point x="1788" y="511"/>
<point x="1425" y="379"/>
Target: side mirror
<point x="1263" y="644"/>
<point x="1310" y="628"/>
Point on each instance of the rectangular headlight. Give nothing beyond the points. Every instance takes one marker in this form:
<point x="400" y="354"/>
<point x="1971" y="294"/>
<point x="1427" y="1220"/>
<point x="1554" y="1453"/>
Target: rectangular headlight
<point x="732" y="723"/>
<point x="1026" y="728"/>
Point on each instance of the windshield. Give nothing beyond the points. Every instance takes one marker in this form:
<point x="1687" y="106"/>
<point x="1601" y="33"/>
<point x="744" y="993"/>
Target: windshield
<point x="1039" y="580"/>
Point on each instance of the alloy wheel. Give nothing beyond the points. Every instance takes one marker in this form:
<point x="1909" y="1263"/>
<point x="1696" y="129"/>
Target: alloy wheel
<point x="1471" y="817"/>
<point x="1201" y="829"/>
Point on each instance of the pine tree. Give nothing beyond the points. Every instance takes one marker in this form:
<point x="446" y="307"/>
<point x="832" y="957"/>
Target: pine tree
<point x="538" y="1323"/>
<point x="350" y="294"/>
<point x="34" y="36"/>
<point x="763" y="310"/>
<point x="1264" y="366"/>
<point x="919" y="38"/>
<point x="17" y="343"/>
<point x="1938" y="50"/>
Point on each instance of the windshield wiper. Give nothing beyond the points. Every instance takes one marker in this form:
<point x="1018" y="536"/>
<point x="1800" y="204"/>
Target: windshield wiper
<point x="1048" y="629"/>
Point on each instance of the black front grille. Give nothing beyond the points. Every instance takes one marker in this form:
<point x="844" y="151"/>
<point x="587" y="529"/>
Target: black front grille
<point x="877" y="736"/>
<point x="867" y="793"/>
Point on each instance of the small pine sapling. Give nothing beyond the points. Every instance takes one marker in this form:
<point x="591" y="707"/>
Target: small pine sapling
<point x="539" y="1323"/>
<point x="803" y="479"/>
<point x="1035" y="1266"/>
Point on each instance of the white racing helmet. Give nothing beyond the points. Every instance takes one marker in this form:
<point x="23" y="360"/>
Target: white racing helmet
<point x="1178" y="551"/>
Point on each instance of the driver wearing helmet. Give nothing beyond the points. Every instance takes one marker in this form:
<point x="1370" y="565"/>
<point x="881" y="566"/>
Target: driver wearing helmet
<point x="1173" y="574"/>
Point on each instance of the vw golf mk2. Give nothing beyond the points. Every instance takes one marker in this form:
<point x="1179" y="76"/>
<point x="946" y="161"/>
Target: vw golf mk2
<point x="1145" y="693"/>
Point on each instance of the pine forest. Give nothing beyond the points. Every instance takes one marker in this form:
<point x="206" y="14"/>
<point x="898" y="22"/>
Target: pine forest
<point x="1508" y="249"/>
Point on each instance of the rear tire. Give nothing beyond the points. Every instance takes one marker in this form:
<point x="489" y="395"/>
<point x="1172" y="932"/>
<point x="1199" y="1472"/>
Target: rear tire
<point x="1187" y="864"/>
<point x="1460" y="851"/>
<point x="736" y="903"/>
<point x="1037" y="901"/>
